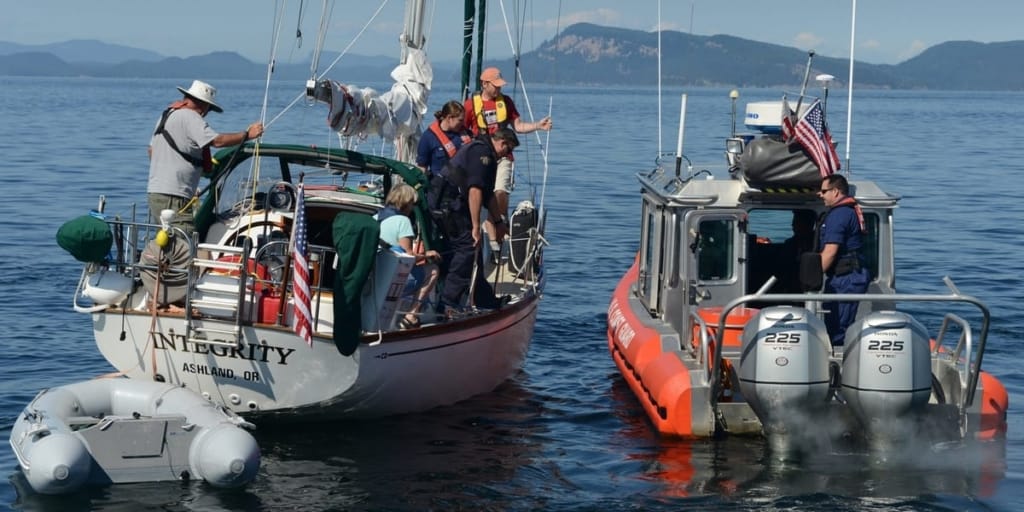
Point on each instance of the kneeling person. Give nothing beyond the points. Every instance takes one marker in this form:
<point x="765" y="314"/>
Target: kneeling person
<point x="396" y="229"/>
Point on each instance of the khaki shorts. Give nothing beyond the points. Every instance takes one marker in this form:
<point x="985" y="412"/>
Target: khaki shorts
<point x="160" y="202"/>
<point x="503" y="179"/>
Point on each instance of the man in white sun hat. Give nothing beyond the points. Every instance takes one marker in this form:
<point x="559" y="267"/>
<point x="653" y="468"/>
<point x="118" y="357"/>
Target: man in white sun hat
<point x="179" y="152"/>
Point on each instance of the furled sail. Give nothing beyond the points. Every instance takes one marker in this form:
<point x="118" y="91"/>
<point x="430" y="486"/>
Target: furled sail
<point x="395" y="116"/>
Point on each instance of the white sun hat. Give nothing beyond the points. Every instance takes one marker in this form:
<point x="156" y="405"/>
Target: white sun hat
<point x="203" y="92"/>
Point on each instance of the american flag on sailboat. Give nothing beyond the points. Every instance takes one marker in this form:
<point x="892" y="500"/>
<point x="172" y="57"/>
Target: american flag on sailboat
<point x="300" y="286"/>
<point x="812" y="133"/>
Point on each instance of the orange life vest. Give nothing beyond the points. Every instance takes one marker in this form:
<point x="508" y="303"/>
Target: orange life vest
<point x="449" y="146"/>
<point x="849" y="201"/>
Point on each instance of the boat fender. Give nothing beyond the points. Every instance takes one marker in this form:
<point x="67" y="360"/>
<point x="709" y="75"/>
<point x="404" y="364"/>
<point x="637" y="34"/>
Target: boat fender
<point x="106" y="287"/>
<point x="207" y="456"/>
<point x="60" y="462"/>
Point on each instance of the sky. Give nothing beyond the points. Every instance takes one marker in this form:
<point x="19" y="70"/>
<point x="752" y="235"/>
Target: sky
<point x="887" y="31"/>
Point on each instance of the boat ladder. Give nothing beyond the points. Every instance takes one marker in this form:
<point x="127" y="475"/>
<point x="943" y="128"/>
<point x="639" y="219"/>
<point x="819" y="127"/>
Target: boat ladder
<point x="220" y="286"/>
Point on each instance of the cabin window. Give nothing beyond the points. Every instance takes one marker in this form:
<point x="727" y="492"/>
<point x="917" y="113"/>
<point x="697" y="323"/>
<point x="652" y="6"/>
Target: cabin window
<point x="238" y="193"/>
<point x="650" y="262"/>
<point x="777" y="237"/>
<point x="715" y="251"/>
<point x="871" y="244"/>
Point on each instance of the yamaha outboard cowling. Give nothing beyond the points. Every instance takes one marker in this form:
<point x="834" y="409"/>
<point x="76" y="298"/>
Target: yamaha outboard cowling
<point x="886" y="378"/>
<point x="784" y="374"/>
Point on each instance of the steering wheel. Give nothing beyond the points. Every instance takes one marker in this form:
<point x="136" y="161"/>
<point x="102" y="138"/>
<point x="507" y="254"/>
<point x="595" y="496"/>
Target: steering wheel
<point x="281" y="196"/>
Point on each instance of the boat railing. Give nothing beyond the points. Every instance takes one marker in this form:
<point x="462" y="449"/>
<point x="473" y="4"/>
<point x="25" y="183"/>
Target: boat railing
<point x="972" y="367"/>
<point x="127" y="256"/>
<point x="960" y="354"/>
<point x="703" y="349"/>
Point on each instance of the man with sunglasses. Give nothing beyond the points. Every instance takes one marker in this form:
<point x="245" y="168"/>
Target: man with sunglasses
<point x="840" y="242"/>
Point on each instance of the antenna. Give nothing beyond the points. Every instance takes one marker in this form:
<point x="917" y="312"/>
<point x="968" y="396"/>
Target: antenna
<point x="849" y="86"/>
<point x="824" y="79"/>
<point x="807" y="76"/>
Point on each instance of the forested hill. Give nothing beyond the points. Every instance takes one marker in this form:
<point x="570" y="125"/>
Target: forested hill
<point x="583" y="54"/>
<point x="592" y="54"/>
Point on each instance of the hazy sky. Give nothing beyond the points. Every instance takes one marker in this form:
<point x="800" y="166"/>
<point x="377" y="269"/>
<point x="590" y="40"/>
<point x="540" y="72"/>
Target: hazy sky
<point x="888" y="31"/>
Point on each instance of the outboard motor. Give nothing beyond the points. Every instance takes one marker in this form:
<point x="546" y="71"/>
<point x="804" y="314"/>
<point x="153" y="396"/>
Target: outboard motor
<point x="886" y="377"/>
<point x="784" y="374"/>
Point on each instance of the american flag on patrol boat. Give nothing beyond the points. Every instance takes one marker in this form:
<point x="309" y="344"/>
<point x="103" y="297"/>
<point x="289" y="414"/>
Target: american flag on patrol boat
<point x="812" y="133"/>
<point x="300" y="286"/>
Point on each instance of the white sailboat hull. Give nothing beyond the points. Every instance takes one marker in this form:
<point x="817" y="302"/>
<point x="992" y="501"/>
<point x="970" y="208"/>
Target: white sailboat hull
<point x="274" y="372"/>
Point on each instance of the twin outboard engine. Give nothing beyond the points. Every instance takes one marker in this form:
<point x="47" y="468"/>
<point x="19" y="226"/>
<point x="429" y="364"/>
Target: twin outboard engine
<point x="784" y="374"/>
<point x="886" y="379"/>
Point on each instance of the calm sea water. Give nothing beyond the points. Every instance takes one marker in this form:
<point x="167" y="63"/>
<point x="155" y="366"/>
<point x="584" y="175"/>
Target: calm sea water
<point x="565" y="433"/>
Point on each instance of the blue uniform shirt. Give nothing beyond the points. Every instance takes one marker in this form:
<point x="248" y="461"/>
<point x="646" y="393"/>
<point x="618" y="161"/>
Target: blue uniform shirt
<point x="479" y="164"/>
<point x="841" y="227"/>
<point x="431" y="153"/>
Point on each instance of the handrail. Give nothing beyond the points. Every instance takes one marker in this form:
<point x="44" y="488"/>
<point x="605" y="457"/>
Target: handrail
<point x="86" y="272"/>
<point x="705" y="346"/>
<point x="963" y="346"/>
<point x="761" y="296"/>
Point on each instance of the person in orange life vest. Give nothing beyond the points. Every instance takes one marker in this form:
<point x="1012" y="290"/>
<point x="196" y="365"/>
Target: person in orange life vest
<point x="490" y="109"/>
<point x="179" y="152"/>
<point x="841" y="240"/>
<point x="442" y="139"/>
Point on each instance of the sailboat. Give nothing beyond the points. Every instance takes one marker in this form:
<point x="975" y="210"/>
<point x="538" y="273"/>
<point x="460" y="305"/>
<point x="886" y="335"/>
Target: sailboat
<point x="241" y="288"/>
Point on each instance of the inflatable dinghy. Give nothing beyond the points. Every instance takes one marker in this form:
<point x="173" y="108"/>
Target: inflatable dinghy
<point x="106" y="431"/>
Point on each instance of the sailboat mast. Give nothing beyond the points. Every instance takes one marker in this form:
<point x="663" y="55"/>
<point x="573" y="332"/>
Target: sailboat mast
<point x="412" y="29"/>
<point x="481" y="23"/>
<point x="469" y="18"/>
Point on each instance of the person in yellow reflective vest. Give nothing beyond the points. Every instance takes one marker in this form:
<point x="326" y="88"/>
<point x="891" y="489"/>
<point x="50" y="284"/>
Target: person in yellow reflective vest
<point x="488" y="110"/>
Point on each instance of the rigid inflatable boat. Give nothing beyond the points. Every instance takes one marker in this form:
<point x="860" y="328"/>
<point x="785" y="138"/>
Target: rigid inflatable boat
<point x="718" y="325"/>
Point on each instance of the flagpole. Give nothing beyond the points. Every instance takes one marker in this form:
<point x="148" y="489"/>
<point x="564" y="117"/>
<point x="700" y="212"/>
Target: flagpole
<point x="288" y="258"/>
<point x="803" y="88"/>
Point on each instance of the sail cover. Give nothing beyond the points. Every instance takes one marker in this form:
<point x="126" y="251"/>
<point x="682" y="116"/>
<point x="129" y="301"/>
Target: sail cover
<point x="394" y="116"/>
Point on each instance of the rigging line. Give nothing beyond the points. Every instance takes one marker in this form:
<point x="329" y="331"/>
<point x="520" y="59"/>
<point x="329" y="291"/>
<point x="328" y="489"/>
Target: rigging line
<point x="518" y="73"/>
<point x="544" y="158"/>
<point x="321" y="35"/>
<point x="316" y="54"/>
<point x="298" y="23"/>
<point x="526" y="96"/>
<point x="276" y="31"/>
<point x="354" y="39"/>
<point x="430" y="26"/>
<point x="558" y="31"/>
<point x="254" y="169"/>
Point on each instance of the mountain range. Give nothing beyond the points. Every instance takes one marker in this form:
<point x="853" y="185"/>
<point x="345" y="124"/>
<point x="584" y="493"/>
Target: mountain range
<point x="582" y="54"/>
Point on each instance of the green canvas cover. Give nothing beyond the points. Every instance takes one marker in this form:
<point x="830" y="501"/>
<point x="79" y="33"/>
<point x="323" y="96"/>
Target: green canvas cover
<point x="87" y="238"/>
<point x="356" y="238"/>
